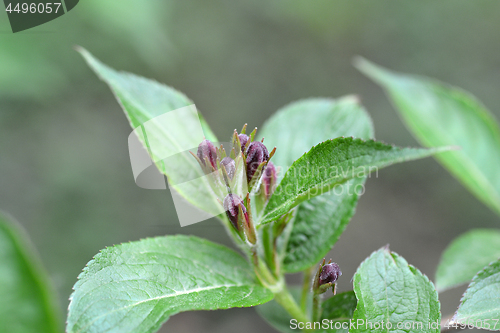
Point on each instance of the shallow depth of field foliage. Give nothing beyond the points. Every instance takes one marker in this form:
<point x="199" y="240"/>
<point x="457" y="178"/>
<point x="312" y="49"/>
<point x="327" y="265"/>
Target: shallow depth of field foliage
<point x="65" y="166"/>
<point x="136" y="287"/>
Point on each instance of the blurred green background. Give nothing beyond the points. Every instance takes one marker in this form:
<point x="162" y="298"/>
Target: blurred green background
<point x="64" y="167"/>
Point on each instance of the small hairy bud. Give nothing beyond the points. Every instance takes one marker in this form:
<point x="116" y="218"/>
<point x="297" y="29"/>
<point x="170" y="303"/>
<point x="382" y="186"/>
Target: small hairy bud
<point x="329" y="273"/>
<point x="243" y="140"/>
<point x="232" y="205"/>
<point x="206" y="149"/>
<point x="256" y="154"/>
<point x="230" y="166"/>
<point x="269" y="179"/>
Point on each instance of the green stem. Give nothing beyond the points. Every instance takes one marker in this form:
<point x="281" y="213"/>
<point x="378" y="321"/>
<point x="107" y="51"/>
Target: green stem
<point x="281" y="294"/>
<point x="265" y="276"/>
<point x="274" y="280"/>
<point x="269" y="250"/>
<point x="316" y="312"/>
<point x="286" y="300"/>
<point x="306" y="287"/>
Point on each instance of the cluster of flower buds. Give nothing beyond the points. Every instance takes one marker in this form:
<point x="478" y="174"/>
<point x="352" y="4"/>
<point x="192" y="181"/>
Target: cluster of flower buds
<point x="326" y="276"/>
<point x="252" y="159"/>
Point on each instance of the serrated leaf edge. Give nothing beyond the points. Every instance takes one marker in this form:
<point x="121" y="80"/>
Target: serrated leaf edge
<point x="472" y="284"/>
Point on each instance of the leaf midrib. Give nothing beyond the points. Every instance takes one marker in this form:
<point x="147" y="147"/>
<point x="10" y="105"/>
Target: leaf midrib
<point x="330" y="181"/>
<point x="176" y="294"/>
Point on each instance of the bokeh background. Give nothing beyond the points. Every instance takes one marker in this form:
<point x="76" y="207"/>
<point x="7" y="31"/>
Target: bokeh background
<point x="64" y="166"/>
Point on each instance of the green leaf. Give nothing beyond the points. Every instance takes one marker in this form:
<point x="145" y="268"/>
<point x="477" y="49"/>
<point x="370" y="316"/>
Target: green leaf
<point x="390" y="290"/>
<point x="143" y="102"/>
<point x="318" y="225"/>
<point x="331" y="163"/>
<point x="480" y="305"/>
<point x="339" y="309"/>
<point x="467" y="255"/>
<point x="340" y="306"/>
<point x="278" y="317"/>
<point x="295" y="129"/>
<point x="137" y="286"/>
<point x="143" y="99"/>
<point x="27" y="298"/>
<point x="442" y="115"/>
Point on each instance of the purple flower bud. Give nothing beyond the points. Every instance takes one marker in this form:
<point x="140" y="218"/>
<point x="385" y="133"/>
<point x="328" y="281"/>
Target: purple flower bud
<point x="256" y="154"/>
<point x="269" y="179"/>
<point x="206" y="149"/>
<point x="329" y="273"/>
<point x="232" y="204"/>
<point x="243" y="140"/>
<point x="229" y="165"/>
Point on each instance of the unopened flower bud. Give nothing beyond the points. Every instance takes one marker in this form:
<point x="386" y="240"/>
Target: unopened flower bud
<point x="256" y="154"/>
<point x="229" y="165"/>
<point x="329" y="273"/>
<point x="243" y="140"/>
<point x="206" y="150"/>
<point x="233" y="205"/>
<point x="269" y="180"/>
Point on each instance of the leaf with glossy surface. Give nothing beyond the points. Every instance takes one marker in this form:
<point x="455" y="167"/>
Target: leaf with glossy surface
<point x="294" y="129"/>
<point x="167" y="135"/>
<point x="467" y="255"/>
<point x="27" y="302"/>
<point x="332" y="163"/>
<point x="137" y="286"/>
<point x="390" y="290"/>
<point x="480" y="304"/>
<point x="442" y="115"/>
